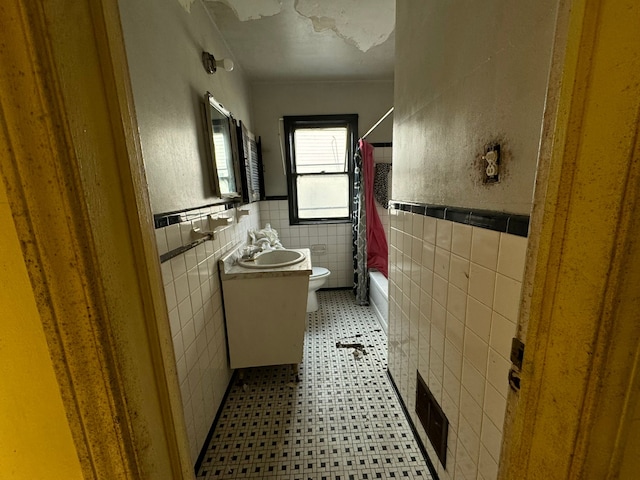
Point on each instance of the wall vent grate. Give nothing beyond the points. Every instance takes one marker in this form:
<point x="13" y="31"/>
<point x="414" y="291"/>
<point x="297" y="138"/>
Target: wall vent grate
<point x="433" y="419"/>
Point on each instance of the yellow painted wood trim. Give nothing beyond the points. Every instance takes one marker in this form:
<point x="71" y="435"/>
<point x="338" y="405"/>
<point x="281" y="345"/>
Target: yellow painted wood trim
<point x="581" y="342"/>
<point x="75" y="181"/>
<point x="39" y="171"/>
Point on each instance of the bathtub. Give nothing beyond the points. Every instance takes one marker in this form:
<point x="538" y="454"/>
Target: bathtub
<point x="379" y="297"/>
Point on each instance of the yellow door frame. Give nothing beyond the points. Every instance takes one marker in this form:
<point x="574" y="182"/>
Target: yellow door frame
<point x="580" y="316"/>
<point x="72" y="167"/>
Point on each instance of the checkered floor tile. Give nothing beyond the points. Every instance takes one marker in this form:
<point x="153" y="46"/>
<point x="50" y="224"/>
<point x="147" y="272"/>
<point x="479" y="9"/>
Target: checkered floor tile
<point x="342" y="421"/>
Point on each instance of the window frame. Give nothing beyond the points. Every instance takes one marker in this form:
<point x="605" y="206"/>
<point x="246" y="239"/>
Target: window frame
<point x="291" y="124"/>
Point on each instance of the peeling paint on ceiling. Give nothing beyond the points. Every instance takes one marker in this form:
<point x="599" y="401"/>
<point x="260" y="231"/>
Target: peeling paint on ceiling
<point x="365" y="24"/>
<point x="252" y="9"/>
<point x="308" y="40"/>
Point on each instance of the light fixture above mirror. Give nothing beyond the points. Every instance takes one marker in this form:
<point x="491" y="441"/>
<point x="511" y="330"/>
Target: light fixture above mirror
<point x="211" y="65"/>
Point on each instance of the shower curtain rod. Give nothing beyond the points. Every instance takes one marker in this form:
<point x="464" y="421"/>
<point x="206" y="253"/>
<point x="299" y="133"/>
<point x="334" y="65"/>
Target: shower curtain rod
<point x="377" y="123"/>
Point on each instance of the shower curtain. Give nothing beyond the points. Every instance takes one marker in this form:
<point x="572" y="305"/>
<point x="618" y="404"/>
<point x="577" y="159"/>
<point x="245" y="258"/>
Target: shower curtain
<point x="370" y="248"/>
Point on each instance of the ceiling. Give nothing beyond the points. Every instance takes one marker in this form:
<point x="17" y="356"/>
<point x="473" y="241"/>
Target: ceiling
<point x="309" y="40"/>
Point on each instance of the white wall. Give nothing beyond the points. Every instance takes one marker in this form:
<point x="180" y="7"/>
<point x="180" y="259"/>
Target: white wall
<point x="164" y="45"/>
<point x="271" y="101"/>
<point x="467" y="74"/>
<point x="194" y="300"/>
<point x="336" y="238"/>
<point x="454" y="294"/>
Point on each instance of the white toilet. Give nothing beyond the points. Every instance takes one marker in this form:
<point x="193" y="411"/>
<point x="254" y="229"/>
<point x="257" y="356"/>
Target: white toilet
<point x="316" y="280"/>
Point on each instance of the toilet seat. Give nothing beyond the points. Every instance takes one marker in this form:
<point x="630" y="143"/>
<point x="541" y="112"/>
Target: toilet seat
<point x="319" y="272"/>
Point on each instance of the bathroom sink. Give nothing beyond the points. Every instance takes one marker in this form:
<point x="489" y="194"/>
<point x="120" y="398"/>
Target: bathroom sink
<point x="273" y="259"/>
<point x="263" y="299"/>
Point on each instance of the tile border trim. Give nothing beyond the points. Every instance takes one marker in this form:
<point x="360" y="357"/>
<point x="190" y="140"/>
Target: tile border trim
<point x="161" y="220"/>
<point x="269" y="198"/>
<point x="491" y="220"/>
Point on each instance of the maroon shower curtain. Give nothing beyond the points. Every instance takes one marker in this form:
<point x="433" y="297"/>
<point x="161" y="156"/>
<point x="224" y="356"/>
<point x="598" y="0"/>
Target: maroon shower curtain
<point x="377" y="249"/>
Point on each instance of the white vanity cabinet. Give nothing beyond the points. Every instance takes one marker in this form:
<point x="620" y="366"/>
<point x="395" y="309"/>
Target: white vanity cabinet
<point x="265" y="311"/>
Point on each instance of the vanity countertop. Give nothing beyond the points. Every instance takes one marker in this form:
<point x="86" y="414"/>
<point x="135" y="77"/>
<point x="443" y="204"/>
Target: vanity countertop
<point x="229" y="269"/>
<point x="264" y="310"/>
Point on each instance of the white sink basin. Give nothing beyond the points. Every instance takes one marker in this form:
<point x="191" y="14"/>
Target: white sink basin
<point x="273" y="259"/>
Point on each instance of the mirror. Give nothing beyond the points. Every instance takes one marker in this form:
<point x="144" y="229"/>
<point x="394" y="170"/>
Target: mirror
<point x="220" y="143"/>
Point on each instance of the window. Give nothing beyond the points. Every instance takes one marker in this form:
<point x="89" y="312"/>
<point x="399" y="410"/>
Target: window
<point x="319" y="153"/>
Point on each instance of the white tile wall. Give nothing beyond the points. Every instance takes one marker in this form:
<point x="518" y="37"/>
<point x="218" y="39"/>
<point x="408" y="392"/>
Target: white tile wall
<point x="465" y="309"/>
<point x="194" y="301"/>
<point x="337" y="238"/>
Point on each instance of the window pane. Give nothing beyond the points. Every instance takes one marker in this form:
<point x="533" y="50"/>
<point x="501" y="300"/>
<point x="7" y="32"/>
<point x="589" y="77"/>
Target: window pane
<point x="320" y="149"/>
<point x="323" y="196"/>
